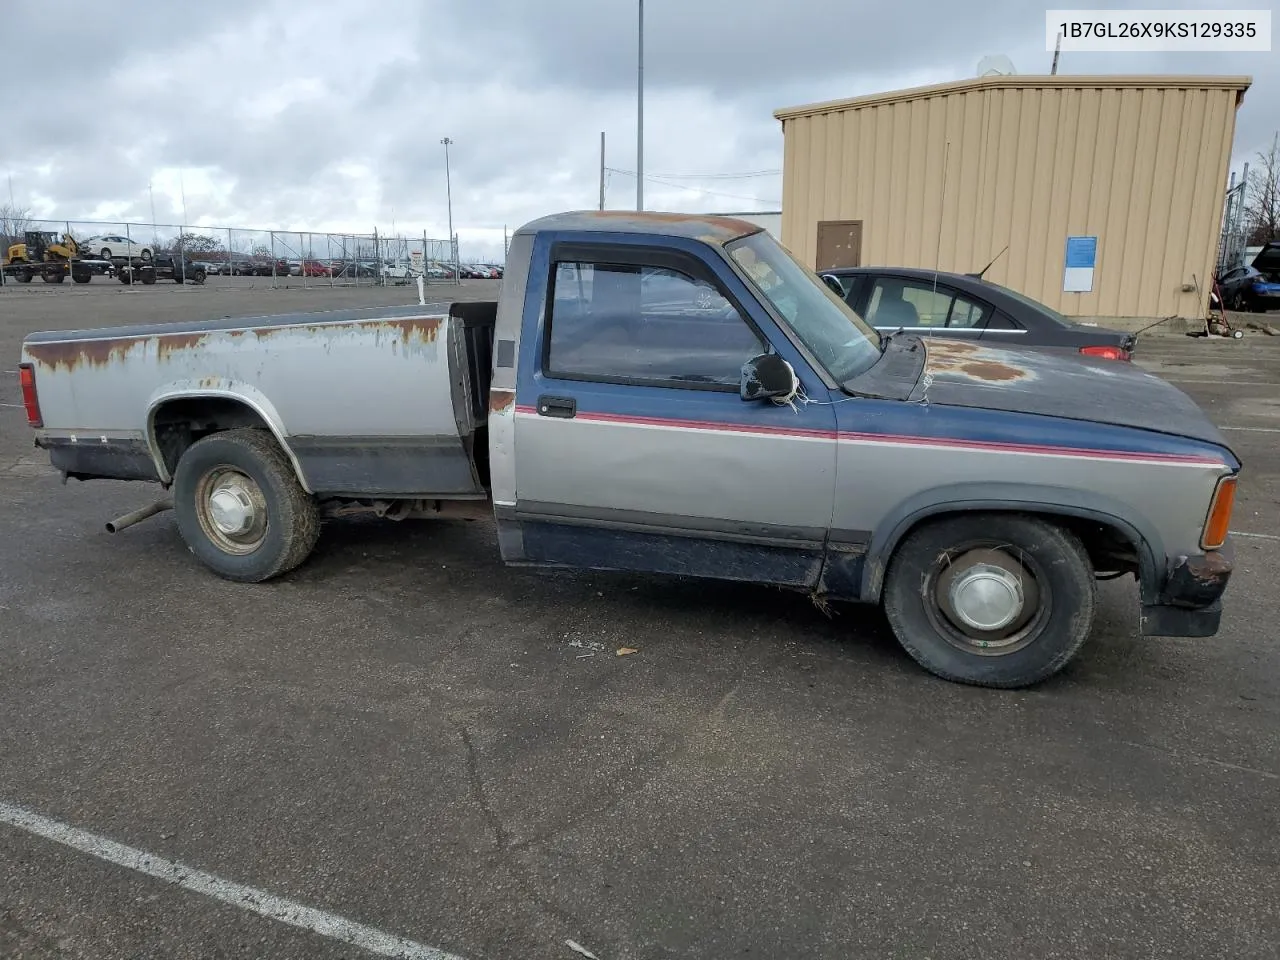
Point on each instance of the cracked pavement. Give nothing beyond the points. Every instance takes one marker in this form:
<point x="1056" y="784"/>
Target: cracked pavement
<point x="408" y="734"/>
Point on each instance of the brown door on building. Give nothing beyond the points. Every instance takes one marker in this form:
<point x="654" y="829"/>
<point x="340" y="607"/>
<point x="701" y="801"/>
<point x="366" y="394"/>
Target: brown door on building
<point x="839" y="244"/>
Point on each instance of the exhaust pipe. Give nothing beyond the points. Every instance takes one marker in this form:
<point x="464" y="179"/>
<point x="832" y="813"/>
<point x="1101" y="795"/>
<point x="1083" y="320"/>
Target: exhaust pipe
<point x="129" y="519"/>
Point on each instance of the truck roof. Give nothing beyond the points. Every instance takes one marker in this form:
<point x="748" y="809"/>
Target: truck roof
<point x="711" y="229"/>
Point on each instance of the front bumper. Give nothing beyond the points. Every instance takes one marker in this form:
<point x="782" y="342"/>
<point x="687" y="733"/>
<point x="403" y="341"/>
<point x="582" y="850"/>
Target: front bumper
<point x="1191" y="602"/>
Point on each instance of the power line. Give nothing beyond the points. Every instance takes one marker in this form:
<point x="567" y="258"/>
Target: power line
<point x="681" y="186"/>
<point x="719" y="176"/>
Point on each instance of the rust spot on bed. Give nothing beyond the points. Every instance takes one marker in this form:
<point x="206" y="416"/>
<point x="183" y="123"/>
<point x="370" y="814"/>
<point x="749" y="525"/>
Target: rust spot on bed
<point x="172" y="343"/>
<point x="74" y="354"/>
<point x="501" y="400"/>
<point x="413" y="329"/>
<point x="969" y="361"/>
<point x="71" y="354"/>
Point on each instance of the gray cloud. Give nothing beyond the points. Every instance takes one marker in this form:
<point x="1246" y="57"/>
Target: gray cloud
<point x="331" y="114"/>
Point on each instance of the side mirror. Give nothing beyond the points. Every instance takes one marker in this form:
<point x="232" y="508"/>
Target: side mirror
<point x="831" y="281"/>
<point x="766" y="376"/>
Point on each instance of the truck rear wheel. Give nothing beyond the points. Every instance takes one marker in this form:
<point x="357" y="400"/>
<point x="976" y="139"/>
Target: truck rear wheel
<point x="240" y="507"/>
<point x="994" y="600"/>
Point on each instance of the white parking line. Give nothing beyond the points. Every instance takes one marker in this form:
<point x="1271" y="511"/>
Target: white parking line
<point x="237" y="895"/>
<point x="1254" y="429"/>
<point x="1255" y="536"/>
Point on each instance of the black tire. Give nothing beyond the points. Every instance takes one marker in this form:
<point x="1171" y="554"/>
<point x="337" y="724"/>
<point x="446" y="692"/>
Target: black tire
<point x="1054" y="581"/>
<point x="291" y="518"/>
<point x="82" y="277"/>
<point x="177" y="278"/>
<point x="105" y="253"/>
<point x="148" y="276"/>
<point x="198" y="277"/>
<point x="146" y="255"/>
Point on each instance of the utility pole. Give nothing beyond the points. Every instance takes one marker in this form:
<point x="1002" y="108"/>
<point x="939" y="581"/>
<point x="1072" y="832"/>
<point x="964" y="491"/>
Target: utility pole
<point x="155" y="234"/>
<point x="601" y="169"/>
<point x="448" y="187"/>
<point x="640" y="114"/>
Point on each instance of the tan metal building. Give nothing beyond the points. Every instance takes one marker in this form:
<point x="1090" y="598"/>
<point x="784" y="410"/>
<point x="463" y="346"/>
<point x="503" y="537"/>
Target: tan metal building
<point x="1128" y="172"/>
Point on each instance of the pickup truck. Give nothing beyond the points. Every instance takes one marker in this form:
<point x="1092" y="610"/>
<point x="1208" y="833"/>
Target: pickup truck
<point x="163" y="267"/>
<point x="675" y="394"/>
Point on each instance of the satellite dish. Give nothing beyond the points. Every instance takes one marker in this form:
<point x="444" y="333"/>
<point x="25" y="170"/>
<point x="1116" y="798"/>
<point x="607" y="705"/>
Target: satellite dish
<point x="996" y="65"/>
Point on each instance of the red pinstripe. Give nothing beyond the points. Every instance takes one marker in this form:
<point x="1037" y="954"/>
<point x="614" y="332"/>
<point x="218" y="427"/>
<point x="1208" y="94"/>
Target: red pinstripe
<point x="998" y="446"/>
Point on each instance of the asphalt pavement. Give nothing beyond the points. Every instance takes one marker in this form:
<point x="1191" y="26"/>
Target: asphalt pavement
<point x="407" y="735"/>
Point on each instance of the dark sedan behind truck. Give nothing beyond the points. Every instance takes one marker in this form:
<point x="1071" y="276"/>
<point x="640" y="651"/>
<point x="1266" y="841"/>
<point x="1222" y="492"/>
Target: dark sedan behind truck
<point x="967" y="307"/>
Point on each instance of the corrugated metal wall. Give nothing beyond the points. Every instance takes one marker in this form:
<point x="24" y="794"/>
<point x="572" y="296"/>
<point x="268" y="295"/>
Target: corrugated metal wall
<point x="1028" y="162"/>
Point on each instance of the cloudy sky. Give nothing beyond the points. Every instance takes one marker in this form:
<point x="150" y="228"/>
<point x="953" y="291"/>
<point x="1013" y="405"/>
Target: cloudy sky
<point x="328" y="114"/>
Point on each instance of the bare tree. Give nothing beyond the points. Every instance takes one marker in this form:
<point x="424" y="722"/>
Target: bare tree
<point x="1262" y="197"/>
<point x="14" y="222"/>
<point x="199" y="244"/>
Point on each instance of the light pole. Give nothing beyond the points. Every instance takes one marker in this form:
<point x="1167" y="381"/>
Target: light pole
<point x="448" y="189"/>
<point x="640" y="113"/>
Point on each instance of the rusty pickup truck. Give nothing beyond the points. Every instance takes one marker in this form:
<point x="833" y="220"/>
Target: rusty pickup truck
<point x="675" y="394"/>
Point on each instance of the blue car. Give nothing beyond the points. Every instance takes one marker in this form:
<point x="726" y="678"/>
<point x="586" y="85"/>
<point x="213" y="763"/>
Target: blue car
<point x="1257" y="286"/>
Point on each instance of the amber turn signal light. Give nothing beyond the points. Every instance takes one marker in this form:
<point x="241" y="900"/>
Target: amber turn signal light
<point x="1219" y="520"/>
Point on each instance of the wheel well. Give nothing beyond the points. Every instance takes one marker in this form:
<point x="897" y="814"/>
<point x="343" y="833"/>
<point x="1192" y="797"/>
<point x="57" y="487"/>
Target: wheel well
<point x="1112" y="548"/>
<point x="177" y="424"/>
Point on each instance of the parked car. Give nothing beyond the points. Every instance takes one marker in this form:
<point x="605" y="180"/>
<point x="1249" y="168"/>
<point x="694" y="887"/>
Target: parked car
<point x="111" y="247"/>
<point x="1256" y="286"/>
<point x="356" y="269"/>
<point x="396" y="271"/>
<point x="976" y="492"/>
<point x="314" y="268"/>
<point x="966" y="307"/>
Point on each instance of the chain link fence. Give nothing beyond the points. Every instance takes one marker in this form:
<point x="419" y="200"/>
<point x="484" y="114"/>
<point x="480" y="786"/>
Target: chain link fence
<point x="278" y="257"/>
<point x="1231" y="245"/>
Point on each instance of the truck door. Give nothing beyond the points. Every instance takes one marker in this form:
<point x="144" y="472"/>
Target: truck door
<point x="633" y="448"/>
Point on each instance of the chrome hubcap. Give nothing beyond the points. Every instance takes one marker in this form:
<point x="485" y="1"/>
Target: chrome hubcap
<point x="232" y="510"/>
<point x="986" y="597"/>
<point x="985" y="600"/>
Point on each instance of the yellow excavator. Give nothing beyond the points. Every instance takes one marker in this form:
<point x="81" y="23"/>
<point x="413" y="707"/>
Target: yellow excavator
<point x="44" y="253"/>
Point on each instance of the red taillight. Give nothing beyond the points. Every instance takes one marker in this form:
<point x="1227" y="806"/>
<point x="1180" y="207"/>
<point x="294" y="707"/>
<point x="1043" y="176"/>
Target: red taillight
<point x="1106" y="353"/>
<point x="27" y="376"/>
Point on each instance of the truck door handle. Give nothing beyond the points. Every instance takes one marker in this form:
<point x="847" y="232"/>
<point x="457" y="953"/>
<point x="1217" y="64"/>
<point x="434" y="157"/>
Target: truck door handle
<point x="565" y="407"/>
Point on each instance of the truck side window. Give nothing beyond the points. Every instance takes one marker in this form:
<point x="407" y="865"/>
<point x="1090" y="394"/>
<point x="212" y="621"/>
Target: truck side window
<point x="633" y="323"/>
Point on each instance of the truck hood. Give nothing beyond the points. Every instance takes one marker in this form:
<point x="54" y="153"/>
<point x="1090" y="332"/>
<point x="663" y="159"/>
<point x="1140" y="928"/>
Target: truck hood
<point x="1050" y="384"/>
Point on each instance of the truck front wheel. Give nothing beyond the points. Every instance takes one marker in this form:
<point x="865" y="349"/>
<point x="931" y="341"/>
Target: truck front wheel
<point x="994" y="600"/>
<point x="240" y="508"/>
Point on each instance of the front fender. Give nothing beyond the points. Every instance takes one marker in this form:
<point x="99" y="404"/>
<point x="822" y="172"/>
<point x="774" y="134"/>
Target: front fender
<point x="1023" y="498"/>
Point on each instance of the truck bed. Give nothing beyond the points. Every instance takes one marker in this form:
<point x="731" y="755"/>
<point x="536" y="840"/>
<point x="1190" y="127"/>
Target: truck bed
<point x="387" y="402"/>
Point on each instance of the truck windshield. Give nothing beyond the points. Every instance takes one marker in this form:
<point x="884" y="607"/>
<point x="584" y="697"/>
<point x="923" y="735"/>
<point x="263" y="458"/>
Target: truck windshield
<point x="837" y="337"/>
